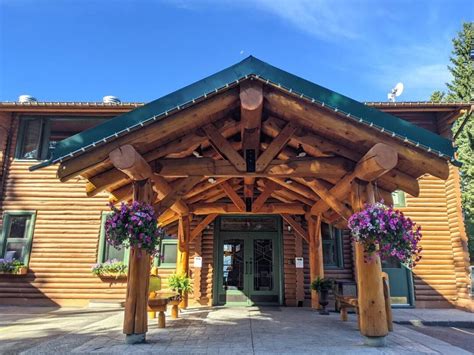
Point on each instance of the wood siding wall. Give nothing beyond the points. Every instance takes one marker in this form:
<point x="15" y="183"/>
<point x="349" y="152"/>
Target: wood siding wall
<point x="66" y="235"/>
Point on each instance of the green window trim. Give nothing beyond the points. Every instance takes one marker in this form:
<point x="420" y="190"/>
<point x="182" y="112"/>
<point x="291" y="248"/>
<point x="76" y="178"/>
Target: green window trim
<point x="28" y="241"/>
<point x="43" y="144"/>
<point x="338" y="247"/>
<point x="399" y="199"/>
<point x="101" y="253"/>
<point x="165" y="242"/>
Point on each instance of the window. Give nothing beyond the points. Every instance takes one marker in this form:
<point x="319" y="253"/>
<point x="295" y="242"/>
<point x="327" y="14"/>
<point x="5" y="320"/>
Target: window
<point x="332" y="246"/>
<point x="169" y="250"/>
<point x="398" y="198"/>
<point x="17" y="236"/>
<point x="38" y="136"/>
<point x="107" y="251"/>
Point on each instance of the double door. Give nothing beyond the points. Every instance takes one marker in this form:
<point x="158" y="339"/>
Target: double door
<point x="248" y="269"/>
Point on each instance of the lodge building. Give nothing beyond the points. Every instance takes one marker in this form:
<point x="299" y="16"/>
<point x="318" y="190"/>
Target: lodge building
<point x="250" y="130"/>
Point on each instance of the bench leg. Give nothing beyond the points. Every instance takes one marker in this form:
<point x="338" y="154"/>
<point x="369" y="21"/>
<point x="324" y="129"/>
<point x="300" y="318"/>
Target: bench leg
<point x="358" y="317"/>
<point x="344" y="314"/>
<point x="174" y="311"/>
<point x="161" y="320"/>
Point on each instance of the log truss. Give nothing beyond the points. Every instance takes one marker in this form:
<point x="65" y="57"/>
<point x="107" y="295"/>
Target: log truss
<point x="254" y="149"/>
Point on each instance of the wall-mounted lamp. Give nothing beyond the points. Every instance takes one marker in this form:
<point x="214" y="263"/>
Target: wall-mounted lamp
<point x="212" y="180"/>
<point x="198" y="152"/>
<point x="300" y="153"/>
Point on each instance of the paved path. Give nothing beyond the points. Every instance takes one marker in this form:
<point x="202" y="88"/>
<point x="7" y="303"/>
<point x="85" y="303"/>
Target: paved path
<point x="215" y="330"/>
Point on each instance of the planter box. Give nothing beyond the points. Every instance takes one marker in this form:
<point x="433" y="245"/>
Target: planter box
<point x="112" y="275"/>
<point x="21" y="271"/>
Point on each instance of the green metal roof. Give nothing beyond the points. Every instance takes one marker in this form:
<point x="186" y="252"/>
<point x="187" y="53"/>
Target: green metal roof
<point x="251" y="66"/>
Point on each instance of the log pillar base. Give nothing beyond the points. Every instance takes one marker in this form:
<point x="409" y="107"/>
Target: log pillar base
<point x="376" y="342"/>
<point x="135" y="338"/>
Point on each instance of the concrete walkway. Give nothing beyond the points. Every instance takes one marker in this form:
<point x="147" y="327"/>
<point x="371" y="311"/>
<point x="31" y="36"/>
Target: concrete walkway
<point x="250" y="330"/>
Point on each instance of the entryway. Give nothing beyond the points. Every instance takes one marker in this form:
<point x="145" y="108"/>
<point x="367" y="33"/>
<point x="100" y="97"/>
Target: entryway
<point x="248" y="261"/>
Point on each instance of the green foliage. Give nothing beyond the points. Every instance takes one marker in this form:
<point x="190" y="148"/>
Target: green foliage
<point x="461" y="89"/>
<point x="322" y="284"/>
<point x="437" y="96"/>
<point x="109" y="267"/>
<point x="10" y="266"/>
<point x="180" y="283"/>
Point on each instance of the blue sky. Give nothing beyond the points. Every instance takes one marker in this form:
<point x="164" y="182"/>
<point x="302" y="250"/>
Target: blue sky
<point x="81" y="50"/>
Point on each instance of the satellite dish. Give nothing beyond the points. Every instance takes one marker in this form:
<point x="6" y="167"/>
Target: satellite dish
<point x="395" y="92"/>
<point x="398" y="89"/>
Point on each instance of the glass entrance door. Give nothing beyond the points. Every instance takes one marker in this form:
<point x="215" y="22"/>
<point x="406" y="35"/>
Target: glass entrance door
<point x="248" y="268"/>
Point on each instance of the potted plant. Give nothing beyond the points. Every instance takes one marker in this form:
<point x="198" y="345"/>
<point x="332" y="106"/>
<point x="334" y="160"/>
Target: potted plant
<point x="322" y="286"/>
<point x="181" y="284"/>
<point x="386" y="232"/>
<point x="110" y="269"/>
<point x="13" y="267"/>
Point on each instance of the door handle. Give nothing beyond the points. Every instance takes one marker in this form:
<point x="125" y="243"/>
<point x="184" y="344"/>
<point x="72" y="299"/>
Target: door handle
<point x="246" y="268"/>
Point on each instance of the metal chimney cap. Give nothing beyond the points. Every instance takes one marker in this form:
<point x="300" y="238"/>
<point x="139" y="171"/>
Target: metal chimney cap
<point x="26" y="98"/>
<point x="110" y="100"/>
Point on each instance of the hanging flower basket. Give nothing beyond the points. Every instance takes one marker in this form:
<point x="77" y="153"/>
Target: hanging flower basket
<point x="388" y="233"/>
<point x="133" y="225"/>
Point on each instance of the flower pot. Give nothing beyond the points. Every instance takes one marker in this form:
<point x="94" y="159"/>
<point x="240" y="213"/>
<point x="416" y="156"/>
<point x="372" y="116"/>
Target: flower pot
<point x="23" y="270"/>
<point x="323" y="301"/>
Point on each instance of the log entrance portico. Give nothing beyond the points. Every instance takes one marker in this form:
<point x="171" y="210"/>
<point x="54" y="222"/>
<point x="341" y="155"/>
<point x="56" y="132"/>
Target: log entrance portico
<point x="255" y="140"/>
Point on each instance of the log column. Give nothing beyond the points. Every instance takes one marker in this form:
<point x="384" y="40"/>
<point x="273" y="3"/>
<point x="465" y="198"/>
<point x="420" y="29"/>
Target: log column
<point x="182" y="260"/>
<point x="315" y="254"/>
<point x="372" y="313"/>
<point x="135" y="323"/>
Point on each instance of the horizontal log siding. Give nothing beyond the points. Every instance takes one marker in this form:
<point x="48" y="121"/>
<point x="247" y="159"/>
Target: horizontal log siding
<point x="459" y="238"/>
<point x="434" y="276"/>
<point x="65" y="239"/>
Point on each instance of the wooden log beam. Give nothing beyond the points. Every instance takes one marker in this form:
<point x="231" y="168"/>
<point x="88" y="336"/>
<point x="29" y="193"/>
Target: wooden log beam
<point x="204" y="186"/>
<point x="131" y="163"/>
<point x="326" y="168"/>
<point x="293" y="197"/>
<point x="375" y="162"/>
<point x="296" y="187"/>
<point x="111" y="177"/>
<point x="161" y="131"/>
<point x="275" y="146"/>
<point x="326" y="196"/>
<point x="178" y="190"/>
<point x="251" y="105"/>
<point x="202" y="225"/>
<point x="182" y="260"/>
<point x="330" y="124"/>
<point x="135" y="323"/>
<point x="316" y="266"/>
<point x="234" y="197"/>
<point x="222" y="145"/>
<point x="296" y="226"/>
<point x="270" y="186"/>
<point x="227" y="208"/>
<point x="318" y="146"/>
<point x="371" y="301"/>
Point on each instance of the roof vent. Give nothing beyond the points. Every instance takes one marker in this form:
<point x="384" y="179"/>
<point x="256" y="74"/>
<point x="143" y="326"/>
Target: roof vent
<point x="110" y="100"/>
<point x="26" y="98"/>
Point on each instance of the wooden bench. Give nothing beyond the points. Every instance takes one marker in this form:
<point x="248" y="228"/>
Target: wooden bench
<point x="343" y="303"/>
<point x="158" y="301"/>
